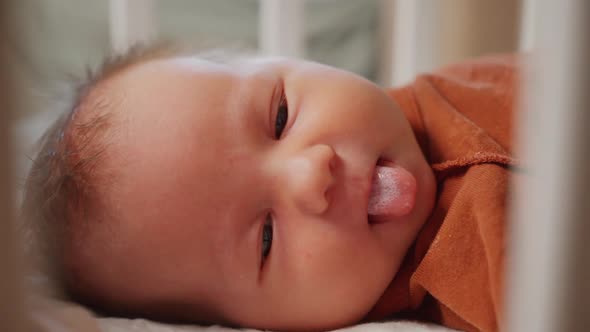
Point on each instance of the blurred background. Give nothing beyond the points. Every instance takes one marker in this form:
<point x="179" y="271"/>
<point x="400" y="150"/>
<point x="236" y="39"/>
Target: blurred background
<point x="60" y="38"/>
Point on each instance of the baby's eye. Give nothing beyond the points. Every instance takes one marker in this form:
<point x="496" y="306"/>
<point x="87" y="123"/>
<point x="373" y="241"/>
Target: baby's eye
<point x="266" y="237"/>
<point x="282" y="117"/>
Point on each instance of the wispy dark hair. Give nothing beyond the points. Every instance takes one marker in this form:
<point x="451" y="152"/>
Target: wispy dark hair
<point x="60" y="193"/>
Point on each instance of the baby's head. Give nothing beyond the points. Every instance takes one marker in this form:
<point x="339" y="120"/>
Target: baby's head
<point x="230" y="192"/>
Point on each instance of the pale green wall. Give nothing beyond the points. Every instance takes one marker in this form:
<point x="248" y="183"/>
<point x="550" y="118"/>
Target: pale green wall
<point x="61" y="37"/>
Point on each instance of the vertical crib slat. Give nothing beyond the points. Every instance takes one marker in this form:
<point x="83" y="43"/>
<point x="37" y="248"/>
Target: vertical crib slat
<point x="527" y="25"/>
<point x="549" y="271"/>
<point x="385" y="43"/>
<point x="413" y="26"/>
<point x="280" y="28"/>
<point x="405" y="45"/>
<point x="131" y="21"/>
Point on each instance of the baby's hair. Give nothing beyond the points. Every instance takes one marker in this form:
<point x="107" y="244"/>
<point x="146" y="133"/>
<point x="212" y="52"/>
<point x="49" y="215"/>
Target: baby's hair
<point x="68" y="221"/>
<point x="60" y="198"/>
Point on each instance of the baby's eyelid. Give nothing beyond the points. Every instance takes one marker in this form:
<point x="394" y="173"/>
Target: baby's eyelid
<point x="272" y="109"/>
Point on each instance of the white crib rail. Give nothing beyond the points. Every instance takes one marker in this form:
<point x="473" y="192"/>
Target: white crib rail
<point x="414" y="44"/>
<point x="131" y="21"/>
<point x="280" y="28"/>
<point x="549" y="271"/>
<point x="404" y="52"/>
<point x="527" y="25"/>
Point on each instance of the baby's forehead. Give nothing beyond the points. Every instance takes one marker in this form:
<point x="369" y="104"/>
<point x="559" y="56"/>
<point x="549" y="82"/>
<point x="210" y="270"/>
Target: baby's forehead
<point x="149" y="78"/>
<point x="239" y="65"/>
<point x="160" y="105"/>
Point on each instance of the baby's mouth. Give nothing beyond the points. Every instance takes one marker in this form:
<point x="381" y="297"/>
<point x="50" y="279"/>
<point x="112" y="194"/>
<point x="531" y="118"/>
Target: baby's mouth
<point x="393" y="192"/>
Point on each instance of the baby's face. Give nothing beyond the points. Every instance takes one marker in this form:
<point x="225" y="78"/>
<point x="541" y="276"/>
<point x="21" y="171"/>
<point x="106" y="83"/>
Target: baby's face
<point x="243" y="189"/>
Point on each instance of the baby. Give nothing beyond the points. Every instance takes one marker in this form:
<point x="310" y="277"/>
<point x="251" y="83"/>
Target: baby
<point x="279" y="194"/>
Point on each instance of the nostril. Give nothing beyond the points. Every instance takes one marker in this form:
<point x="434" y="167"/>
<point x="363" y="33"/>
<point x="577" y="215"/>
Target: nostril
<point x="332" y="164"/>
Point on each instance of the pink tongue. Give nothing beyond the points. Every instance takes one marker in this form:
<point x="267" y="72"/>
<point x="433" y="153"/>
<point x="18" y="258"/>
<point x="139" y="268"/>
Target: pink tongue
<point x="393" y="192"/>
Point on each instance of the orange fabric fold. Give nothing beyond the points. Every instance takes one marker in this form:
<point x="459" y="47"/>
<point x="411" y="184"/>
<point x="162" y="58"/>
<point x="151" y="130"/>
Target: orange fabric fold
<point x="454" y="273"/>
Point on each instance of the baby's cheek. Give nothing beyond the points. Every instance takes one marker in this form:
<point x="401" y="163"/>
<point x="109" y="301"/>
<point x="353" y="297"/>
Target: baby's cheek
<point x="328" y="277"/>
<point x="342" y="262"/>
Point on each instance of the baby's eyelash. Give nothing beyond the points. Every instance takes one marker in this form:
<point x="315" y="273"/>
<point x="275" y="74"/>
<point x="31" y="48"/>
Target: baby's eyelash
<point x="283" y="99"/>
<point x="267" y="234"/>
<point x="282" y="115"/>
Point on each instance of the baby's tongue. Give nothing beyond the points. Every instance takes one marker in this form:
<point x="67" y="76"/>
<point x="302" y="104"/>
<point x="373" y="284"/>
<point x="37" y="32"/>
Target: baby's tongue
<point x="393" y="192"/>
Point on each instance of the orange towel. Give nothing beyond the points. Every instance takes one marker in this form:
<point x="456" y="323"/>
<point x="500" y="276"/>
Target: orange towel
<point x="454" y="273"/>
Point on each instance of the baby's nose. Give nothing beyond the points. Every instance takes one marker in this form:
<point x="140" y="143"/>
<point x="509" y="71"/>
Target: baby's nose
<point x="310" y="176"/>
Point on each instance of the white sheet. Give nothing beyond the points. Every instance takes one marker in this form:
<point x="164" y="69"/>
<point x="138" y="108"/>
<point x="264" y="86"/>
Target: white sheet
<point x="53" y="316"/>
<point x="137" y="325"/>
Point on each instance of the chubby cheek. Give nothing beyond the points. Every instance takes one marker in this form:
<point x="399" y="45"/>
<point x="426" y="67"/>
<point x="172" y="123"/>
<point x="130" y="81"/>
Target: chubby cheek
<point x="365" y="120"/>
<point x="331" y="275"/>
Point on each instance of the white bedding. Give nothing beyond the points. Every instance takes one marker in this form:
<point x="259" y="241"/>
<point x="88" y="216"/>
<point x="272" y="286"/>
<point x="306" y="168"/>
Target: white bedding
<point x="137" y="325"/>
<point x="53" y="316"/>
